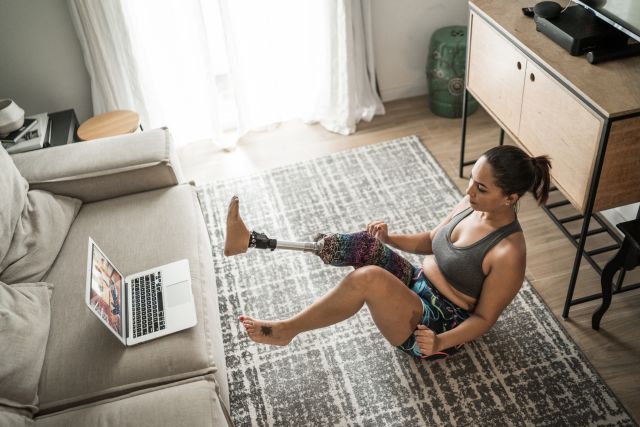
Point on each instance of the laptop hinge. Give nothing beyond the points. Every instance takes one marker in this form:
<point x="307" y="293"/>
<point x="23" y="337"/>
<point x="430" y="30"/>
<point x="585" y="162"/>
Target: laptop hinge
<point x="126" y="307"/>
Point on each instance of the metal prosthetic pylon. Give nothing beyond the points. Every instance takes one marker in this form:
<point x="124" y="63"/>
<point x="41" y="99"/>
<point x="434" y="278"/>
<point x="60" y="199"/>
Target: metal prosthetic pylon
<point x="261" y="241"/>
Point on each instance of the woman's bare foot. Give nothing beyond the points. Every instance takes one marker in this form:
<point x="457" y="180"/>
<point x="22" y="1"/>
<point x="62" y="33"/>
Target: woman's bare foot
<point x="237" y="239"/>
<point x="260" y="331"/>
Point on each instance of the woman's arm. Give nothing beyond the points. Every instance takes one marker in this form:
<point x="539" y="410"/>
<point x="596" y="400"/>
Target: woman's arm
<point x="419" y="243"/>
<point x="499" y="288"/>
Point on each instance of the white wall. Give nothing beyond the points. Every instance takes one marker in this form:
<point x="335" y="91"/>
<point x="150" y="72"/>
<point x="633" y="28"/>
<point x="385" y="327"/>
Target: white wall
<point x="402" y="30"/>
<point x="41" y="64"/>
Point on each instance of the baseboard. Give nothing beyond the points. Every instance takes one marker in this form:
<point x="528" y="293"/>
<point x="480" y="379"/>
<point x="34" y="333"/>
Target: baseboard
<point x="404" y="91"/>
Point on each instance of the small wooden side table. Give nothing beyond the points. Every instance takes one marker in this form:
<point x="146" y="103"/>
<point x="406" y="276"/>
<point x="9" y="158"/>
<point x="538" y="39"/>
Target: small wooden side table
<point x="113" y="123"/>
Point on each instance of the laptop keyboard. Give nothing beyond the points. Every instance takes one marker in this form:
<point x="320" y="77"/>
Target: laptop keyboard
<point x="147" y="306"/>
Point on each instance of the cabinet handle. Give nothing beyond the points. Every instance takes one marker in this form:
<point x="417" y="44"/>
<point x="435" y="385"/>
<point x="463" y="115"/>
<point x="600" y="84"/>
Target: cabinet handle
<point x="519" y="65"/>
<point x="532" y="77"/>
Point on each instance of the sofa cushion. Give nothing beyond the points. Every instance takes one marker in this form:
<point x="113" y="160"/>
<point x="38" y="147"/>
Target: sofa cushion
<point x="24" y="328"/>
<point x="11" y="417"/>
<point x="33" y="225"/>
<point x="84" y="361"/>
<point x="14" y="195"/>
<point x="193" y="402"/>
<point x="38" y="236"/>
<point x="106" y="167"/>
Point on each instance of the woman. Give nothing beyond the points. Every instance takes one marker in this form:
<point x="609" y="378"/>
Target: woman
<point x="473" y="267"/>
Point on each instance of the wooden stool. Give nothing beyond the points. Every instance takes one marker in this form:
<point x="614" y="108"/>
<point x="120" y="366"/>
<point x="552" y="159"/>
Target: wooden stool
<point x="113" y="123"/>
<point x="628" y="257"/>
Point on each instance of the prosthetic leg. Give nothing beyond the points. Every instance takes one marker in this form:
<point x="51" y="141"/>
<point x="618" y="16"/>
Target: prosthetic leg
<point x="340" y="250"/>
<point x="239" y="239"/>
<point x="261" y="241"/>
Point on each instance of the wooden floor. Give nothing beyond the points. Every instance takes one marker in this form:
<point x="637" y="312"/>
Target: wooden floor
<point x="614" y="351"/>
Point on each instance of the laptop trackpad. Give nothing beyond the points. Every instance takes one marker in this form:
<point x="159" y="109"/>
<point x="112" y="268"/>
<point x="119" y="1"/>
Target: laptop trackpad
<point x="178" y="294"/>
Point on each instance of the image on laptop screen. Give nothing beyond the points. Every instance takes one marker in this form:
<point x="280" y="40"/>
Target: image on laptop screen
<point x="106" y="291"/>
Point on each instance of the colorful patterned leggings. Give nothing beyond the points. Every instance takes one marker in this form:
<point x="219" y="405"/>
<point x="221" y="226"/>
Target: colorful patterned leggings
<point x="360" y="249"/>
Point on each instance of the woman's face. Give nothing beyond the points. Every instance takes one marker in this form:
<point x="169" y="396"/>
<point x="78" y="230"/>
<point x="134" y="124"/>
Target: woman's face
<point x="484" y="194"/>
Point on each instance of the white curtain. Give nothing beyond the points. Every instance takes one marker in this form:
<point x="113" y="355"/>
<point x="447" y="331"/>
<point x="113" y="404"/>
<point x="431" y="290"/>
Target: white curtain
<point x="153" y="58"/>
<point x="106" y="47"/>
<point x="309" y="59"/>
<point x="207" y="66"/>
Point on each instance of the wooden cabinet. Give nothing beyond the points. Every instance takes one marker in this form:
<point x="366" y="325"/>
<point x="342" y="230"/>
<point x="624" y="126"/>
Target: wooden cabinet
<point x="496" y="74"/>
<point x="553" y="122"/>
<point x="544" y="114"/>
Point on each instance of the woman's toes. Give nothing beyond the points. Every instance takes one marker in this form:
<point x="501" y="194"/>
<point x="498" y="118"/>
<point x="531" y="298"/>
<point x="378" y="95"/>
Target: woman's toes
<point x="247" y="322"/>
<point x="234" y="204"/>
<point x="266" y="332"/>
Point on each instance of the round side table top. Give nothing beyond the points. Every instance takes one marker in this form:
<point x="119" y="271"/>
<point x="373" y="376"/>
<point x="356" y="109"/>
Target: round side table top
<point x="113" y="123"/>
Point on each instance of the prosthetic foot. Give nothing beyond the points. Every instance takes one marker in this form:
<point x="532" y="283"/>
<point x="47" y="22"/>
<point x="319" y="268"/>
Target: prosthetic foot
<point x="239" y="238"/>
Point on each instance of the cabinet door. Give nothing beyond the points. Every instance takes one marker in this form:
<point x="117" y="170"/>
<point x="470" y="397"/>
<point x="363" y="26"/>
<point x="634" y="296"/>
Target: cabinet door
<point x="555" y="123"/>
<point x="495" y="75"/>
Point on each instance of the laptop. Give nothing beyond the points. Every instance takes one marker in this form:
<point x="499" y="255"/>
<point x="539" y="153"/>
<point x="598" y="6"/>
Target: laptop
<point x="142" y="306"/>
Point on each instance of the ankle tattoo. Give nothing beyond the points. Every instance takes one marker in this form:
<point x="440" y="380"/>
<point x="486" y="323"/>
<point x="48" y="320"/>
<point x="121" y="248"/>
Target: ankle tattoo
<point x="266" y="330"/>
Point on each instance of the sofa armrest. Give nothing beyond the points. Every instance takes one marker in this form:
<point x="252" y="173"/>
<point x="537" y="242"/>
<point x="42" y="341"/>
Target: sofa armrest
<point x="104" y="168"/>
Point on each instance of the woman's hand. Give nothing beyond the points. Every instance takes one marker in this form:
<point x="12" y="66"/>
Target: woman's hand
<point x="427" y="340"/>
<point x="379" y="230"/>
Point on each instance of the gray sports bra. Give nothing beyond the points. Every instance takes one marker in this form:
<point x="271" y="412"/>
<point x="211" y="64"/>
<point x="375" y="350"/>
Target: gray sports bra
<point x="462" y="266"/>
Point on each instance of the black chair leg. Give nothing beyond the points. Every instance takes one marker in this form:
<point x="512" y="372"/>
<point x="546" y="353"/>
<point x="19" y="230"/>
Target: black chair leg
<point x="606" y="282"/>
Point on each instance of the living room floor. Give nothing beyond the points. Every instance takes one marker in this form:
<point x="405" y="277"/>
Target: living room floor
<point x="614" y="351"/>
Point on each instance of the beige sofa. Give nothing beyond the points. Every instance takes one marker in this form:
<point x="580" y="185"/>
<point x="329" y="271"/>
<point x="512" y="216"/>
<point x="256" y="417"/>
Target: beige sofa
<point x="129" y="195"/>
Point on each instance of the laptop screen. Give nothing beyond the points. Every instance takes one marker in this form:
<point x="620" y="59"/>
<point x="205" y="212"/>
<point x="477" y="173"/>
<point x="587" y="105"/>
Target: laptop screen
<point x="105" y="297"/>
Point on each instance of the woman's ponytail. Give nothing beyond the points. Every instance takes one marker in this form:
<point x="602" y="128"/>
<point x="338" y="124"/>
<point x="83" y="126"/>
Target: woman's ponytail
<point x="542" y="180"/>
<point x="515" y="172"/>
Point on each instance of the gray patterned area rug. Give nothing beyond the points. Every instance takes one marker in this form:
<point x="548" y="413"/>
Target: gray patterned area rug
<point x="525" y="371"/>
